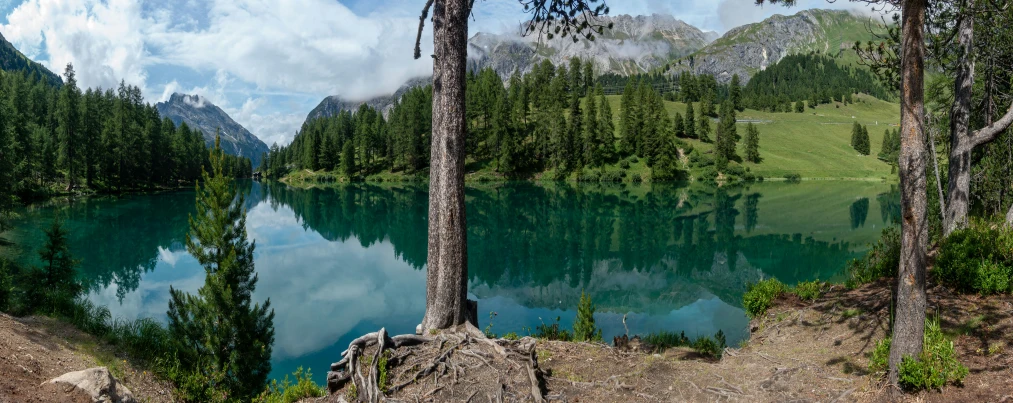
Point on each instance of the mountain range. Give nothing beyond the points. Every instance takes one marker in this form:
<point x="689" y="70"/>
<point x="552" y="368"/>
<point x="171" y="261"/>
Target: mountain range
<point x="656" y="43"/>
<point x="198" y="113"/>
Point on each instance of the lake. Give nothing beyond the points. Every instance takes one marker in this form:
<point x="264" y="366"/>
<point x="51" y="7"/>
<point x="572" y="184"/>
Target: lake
<point x="343" y="261"/>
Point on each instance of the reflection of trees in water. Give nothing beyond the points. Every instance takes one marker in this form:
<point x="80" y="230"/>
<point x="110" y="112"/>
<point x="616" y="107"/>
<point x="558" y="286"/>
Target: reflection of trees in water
<point x="889" y="206"/>
<point x="859" y="212"/>
<point x="524" y="236"/>
<point x="119" y="238"/>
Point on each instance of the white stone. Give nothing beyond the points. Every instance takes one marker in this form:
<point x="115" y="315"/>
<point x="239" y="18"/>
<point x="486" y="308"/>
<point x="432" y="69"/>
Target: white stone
<point x="99" y="384"/>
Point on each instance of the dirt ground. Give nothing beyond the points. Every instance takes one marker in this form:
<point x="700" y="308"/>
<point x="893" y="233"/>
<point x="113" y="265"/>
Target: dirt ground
<point x="34" y="350"/>
<point x="798" y="352"/>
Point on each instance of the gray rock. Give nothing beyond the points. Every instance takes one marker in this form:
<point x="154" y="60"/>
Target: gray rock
<point x="750" y="48"/>
<point x="198" y="113"/>
<point x="97" y="383"/>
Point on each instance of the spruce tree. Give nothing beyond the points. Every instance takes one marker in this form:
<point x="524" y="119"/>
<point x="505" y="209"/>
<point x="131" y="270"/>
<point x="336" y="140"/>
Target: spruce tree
<point x="606" y="128"/>
<point x="752" y="143"/>
<point x="679" y="125"/>
<point x="69" y="117"/>
<point x="704" y="127"/>
<point x="799" y="106"/>
<point x="690" y="124"/>
<point x="864" y="142"/>
<point x="584" y="328"/>
<point x="348" y="167"/>
<point x="54" y="284"/>
<point x="220" y="334"/>
<point x="589" y="141"/>
<point x="856" y="134"/>
<point x="735" y="92"/>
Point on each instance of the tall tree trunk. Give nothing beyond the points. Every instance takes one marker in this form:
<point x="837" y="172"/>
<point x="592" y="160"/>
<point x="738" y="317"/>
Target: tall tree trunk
<point x="447" y="265"/>
<point x="959" y="187"/>
<point x="909" y="322"/>
<point x="1009" y="217"/>
<point x="962" y="141"/>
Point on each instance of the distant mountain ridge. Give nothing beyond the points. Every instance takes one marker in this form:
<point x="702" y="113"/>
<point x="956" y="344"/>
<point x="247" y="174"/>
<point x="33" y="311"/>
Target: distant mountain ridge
<point x="638" y="44"/>
<point x="752" y="47"/>
<point x="198" y="113"/>
<point x="635" y="44"/>
<point x="11" y="59"/>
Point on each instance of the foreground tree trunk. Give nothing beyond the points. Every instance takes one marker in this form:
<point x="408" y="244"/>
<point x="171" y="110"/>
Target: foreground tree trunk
<point x="962" y="141"/>
<point x="447" y="266"/>
<point x="909" y="322"/>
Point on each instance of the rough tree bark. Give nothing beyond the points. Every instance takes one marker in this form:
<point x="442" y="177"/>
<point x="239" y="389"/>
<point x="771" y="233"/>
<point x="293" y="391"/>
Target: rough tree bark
<point x="909" y="322"/>
<point x="447" y="266"/>
<point x="962" y="141"/>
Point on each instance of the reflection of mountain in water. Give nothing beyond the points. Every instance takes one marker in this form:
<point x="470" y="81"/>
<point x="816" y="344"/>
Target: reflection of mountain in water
<point x="639" y="249"/>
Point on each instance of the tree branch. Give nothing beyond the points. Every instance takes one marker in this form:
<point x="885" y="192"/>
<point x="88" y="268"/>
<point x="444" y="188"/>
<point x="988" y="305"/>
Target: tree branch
<point x="422" y="24"/>
<point x="990" y="132"/>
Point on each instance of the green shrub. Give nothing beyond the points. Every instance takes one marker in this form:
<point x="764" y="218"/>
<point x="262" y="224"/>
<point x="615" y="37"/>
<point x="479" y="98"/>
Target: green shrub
<point x="936" y="366"/>
<point x="6" y="285"/>
<point x="634" y="159"/>
<point x="584" y="328"/>
<point x="624" y="164"/>
<point x="708" y="174"/>
<point x="552" y="332"/>
<point x="664" y="340"/>
<point x="793" y="178"/>
<point x="511" y="336"/>
<point x="880" y="359"/>
<point x="760" y="296"/>
<point x="978" y="258"/>
<point x="735" y="169"/>
<point x="287" y="392"/>
<point x="637" y="178"/>
<point x="611" y="177"/>
<point x="710" y="347"/>
<point x="882" y="260"/>
<point x="808" y="290"/>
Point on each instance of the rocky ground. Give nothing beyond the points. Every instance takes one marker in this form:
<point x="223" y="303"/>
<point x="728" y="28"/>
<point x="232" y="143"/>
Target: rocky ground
<point x="798" y="352"/>
<point x="34" y="350"/>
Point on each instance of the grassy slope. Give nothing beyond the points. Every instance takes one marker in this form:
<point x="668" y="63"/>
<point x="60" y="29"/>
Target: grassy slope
<point x="814" y="144"/>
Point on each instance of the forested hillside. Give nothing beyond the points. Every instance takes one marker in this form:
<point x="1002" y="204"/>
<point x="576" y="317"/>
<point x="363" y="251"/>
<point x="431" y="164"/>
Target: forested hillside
<point x="556" y="122"/>
<point x="104" y="139"/>
<point x="13" y="60"/>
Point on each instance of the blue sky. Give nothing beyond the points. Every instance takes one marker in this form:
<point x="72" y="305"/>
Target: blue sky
<point x="269" y="62"/>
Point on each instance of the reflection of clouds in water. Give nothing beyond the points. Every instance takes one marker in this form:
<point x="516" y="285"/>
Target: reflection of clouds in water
<point x="170" y="257"/>
<point x="319" y="290"/>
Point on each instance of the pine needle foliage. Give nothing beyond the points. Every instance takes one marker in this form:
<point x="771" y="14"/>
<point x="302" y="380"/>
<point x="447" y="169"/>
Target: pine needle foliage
<point x="220" y="335"/>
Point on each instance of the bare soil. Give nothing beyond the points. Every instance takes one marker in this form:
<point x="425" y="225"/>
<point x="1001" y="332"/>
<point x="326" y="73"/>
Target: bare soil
<point x="798" y="352"/>
<point x="34" y="350"/>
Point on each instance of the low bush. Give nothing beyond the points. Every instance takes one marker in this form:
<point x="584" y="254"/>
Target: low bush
<point x="552" y="332"/>
<point x="882" y="260"/>
<point x="624" y="164"/>
<point x="808" y="290"/>
<point x="935" y="367"/>
<point x="977" y="259"/>
<point x="636" y="178"/>
<point x="612" y="177"/>
<point x="711" y="347"/>
<point x="288" y="392"/>
<point x="760" y="296"/>
<point x="793" y="178"/>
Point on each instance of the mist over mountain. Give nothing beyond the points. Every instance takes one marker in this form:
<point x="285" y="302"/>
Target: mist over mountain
<point x="198" y="112"/>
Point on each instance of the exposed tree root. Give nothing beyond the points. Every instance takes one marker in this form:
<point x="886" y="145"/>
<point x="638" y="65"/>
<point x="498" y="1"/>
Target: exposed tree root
<point x="416" y="368"/>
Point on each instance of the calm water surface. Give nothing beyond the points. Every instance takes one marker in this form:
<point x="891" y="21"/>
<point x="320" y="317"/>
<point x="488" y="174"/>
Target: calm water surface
<point x="340" y="262"/>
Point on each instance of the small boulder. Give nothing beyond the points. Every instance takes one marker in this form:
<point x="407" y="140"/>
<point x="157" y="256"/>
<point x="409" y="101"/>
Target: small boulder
<point x="98" y="383"/>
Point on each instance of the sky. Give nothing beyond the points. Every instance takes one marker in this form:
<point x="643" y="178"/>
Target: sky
<point x="267" y="63"/>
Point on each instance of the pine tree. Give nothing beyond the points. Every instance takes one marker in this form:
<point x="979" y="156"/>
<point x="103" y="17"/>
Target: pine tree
<point x="864" y="146"/>
<point x="856" y="136"/>
<point x="584" y="328"/>
<point x="606" y="128"/>
<point x="627" y="119"/>
<point x="679" y="125"/>
<point x="217" y="333"/>
<point x="348" y="167"/>
<point x="54" y="284"/>
<point x="752" y="143"/>
<point x="799" y="106"/>
<point x="589" y="142"/>
<point x="735" y="92"/>
<point x="727" y="137"/>
<point x="704" y="127"/>
<point x="69" y="117"/>
<point x="690" y="124"/>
